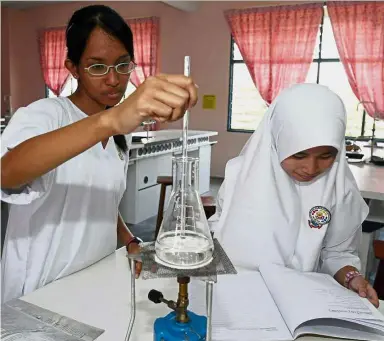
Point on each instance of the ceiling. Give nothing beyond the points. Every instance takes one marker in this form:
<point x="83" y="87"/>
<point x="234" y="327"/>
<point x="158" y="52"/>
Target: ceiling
<point x="27" y="4"/>
<point x="186" y="6"/>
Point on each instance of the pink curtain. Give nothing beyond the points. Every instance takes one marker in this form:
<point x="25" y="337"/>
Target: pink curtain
<point x="146" y="33"/>
<point x="276" y="43"/>
<point x="146" y="43"/>
<point x="359" y="33"/>
<point x="52" y="56"/>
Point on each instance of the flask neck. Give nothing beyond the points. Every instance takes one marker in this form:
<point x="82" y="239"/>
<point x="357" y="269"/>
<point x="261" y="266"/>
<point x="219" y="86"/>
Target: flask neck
<point x="187" y="170"/>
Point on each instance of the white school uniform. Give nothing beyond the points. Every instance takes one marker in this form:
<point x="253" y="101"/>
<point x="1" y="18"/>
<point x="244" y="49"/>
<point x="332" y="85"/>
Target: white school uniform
<point x="264" y="216"/>
<point x="65" y="220"/>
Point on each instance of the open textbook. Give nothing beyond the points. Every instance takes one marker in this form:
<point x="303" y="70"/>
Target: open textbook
<point x="278" y="303"/>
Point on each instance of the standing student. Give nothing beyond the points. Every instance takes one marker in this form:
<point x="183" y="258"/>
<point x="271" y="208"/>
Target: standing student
<point x="64" y="160"/>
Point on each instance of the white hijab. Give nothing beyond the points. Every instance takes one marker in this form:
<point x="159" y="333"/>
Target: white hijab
<point x="266" y="214"/>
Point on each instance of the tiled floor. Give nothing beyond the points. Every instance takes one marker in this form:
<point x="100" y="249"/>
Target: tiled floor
<point x="146" y="229"/>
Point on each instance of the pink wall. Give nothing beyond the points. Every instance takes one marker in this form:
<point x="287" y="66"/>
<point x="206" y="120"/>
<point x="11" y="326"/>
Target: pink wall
<point x="26" y="80"/>
<point x="203" y="35"/>
<point x="5" y="75"/>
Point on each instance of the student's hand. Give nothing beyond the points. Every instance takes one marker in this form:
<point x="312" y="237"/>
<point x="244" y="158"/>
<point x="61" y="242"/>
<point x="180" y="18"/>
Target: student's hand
<point x="364" y="289"/>
<point x="163" y="98"/>
<point x="134" y="248"/>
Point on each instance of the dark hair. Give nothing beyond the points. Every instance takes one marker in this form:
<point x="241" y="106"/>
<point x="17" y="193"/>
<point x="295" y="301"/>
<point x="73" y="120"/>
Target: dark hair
<point x="80" y="27"/>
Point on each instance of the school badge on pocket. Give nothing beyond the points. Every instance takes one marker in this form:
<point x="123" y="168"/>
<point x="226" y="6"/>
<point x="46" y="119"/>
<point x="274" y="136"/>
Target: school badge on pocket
<point x="318" y="216"/>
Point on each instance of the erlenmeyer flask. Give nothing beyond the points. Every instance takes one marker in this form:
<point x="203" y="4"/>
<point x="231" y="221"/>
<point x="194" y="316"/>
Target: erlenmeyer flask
<point x="184" y="240"/>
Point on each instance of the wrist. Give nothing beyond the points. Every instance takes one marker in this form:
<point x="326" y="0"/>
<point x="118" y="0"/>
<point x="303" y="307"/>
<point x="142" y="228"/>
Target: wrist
<point x="129" y="239"/>
<point x="133" y="240"/>
<point x="106" y="124"/>
<point x="119" y="120"/>
<point x="350" y="276"/>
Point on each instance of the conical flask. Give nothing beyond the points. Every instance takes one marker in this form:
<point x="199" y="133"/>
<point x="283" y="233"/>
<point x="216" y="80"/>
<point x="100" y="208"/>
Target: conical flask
<point x="184" y="240"/>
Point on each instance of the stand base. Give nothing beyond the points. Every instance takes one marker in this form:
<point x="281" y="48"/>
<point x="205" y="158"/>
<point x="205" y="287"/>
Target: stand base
<point x="168" y="329"/>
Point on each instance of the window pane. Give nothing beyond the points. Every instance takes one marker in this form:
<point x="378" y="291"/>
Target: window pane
<point x="236" y="52"/>
<point x="248" y="107"/>
<point x="328" y="46"/>
<point x="332" y="74"/>
<point x="50" y="93"/>
<point x="312" y="73"/>
<point x="69" y="87"/>
<point x="317" y="45"/>
<point x="379" y="129"/>
<point x="354" y="123"/>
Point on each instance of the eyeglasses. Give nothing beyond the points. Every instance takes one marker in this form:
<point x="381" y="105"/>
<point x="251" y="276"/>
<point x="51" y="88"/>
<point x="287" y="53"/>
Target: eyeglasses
<point x="102" y="69"/>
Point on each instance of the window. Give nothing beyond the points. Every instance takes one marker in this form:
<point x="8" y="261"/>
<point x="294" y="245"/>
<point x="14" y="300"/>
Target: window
<point x="71" y="85"/>
<point x="246" y="107"/>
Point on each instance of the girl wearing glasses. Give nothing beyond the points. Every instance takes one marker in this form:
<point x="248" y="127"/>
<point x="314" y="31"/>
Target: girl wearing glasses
<point x="64" y="160"/>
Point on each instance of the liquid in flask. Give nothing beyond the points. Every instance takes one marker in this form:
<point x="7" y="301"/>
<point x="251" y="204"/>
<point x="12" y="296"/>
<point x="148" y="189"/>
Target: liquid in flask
<point x="184" y="240"/>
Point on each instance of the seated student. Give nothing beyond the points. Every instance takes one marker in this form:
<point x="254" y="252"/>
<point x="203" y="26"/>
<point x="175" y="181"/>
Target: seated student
<point x="290" y="197"/>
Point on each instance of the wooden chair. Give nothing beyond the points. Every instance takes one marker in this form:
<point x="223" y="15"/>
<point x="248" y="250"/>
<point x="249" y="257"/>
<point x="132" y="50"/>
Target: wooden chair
<point x="209" y="203"/>
<point x="164" y="182"/>
<point x="378" y="246"/>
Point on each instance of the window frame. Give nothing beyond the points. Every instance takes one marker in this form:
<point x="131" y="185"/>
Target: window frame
<point x="233" y="61"/>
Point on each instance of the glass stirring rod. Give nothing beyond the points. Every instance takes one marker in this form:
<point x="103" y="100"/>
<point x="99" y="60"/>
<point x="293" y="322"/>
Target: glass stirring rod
<point x="184" y="152"/>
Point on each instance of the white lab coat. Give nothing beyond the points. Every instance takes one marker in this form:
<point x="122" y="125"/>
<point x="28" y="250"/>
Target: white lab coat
<point x="264" y="216"/>
<point x="65" y="220"/>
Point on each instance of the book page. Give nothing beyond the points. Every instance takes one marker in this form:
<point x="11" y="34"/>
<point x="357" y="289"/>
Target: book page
<point x="302" y="297"/>
<point x="337" y="328"/>
<point x="243" y="309"/>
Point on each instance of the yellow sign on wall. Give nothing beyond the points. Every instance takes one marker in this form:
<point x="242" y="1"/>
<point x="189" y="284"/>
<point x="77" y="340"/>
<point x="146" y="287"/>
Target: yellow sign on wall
<point x="209" y="102"/>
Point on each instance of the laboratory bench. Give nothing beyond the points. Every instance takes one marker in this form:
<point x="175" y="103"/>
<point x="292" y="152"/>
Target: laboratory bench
<point x="100" y="296"/>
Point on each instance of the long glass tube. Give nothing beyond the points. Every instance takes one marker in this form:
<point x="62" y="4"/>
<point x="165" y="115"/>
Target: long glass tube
<point x="184" y="152"/>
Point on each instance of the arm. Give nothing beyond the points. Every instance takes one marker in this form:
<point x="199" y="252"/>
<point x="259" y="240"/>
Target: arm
<point x="32" y="158"/>
<point x="357" y="284"/>
<point x="125" y="236"/>
<point x="343" y="255"/>
<point x="341" y="259"/>
<point x="123" y="233"/>
<point x="164" y="98"/>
